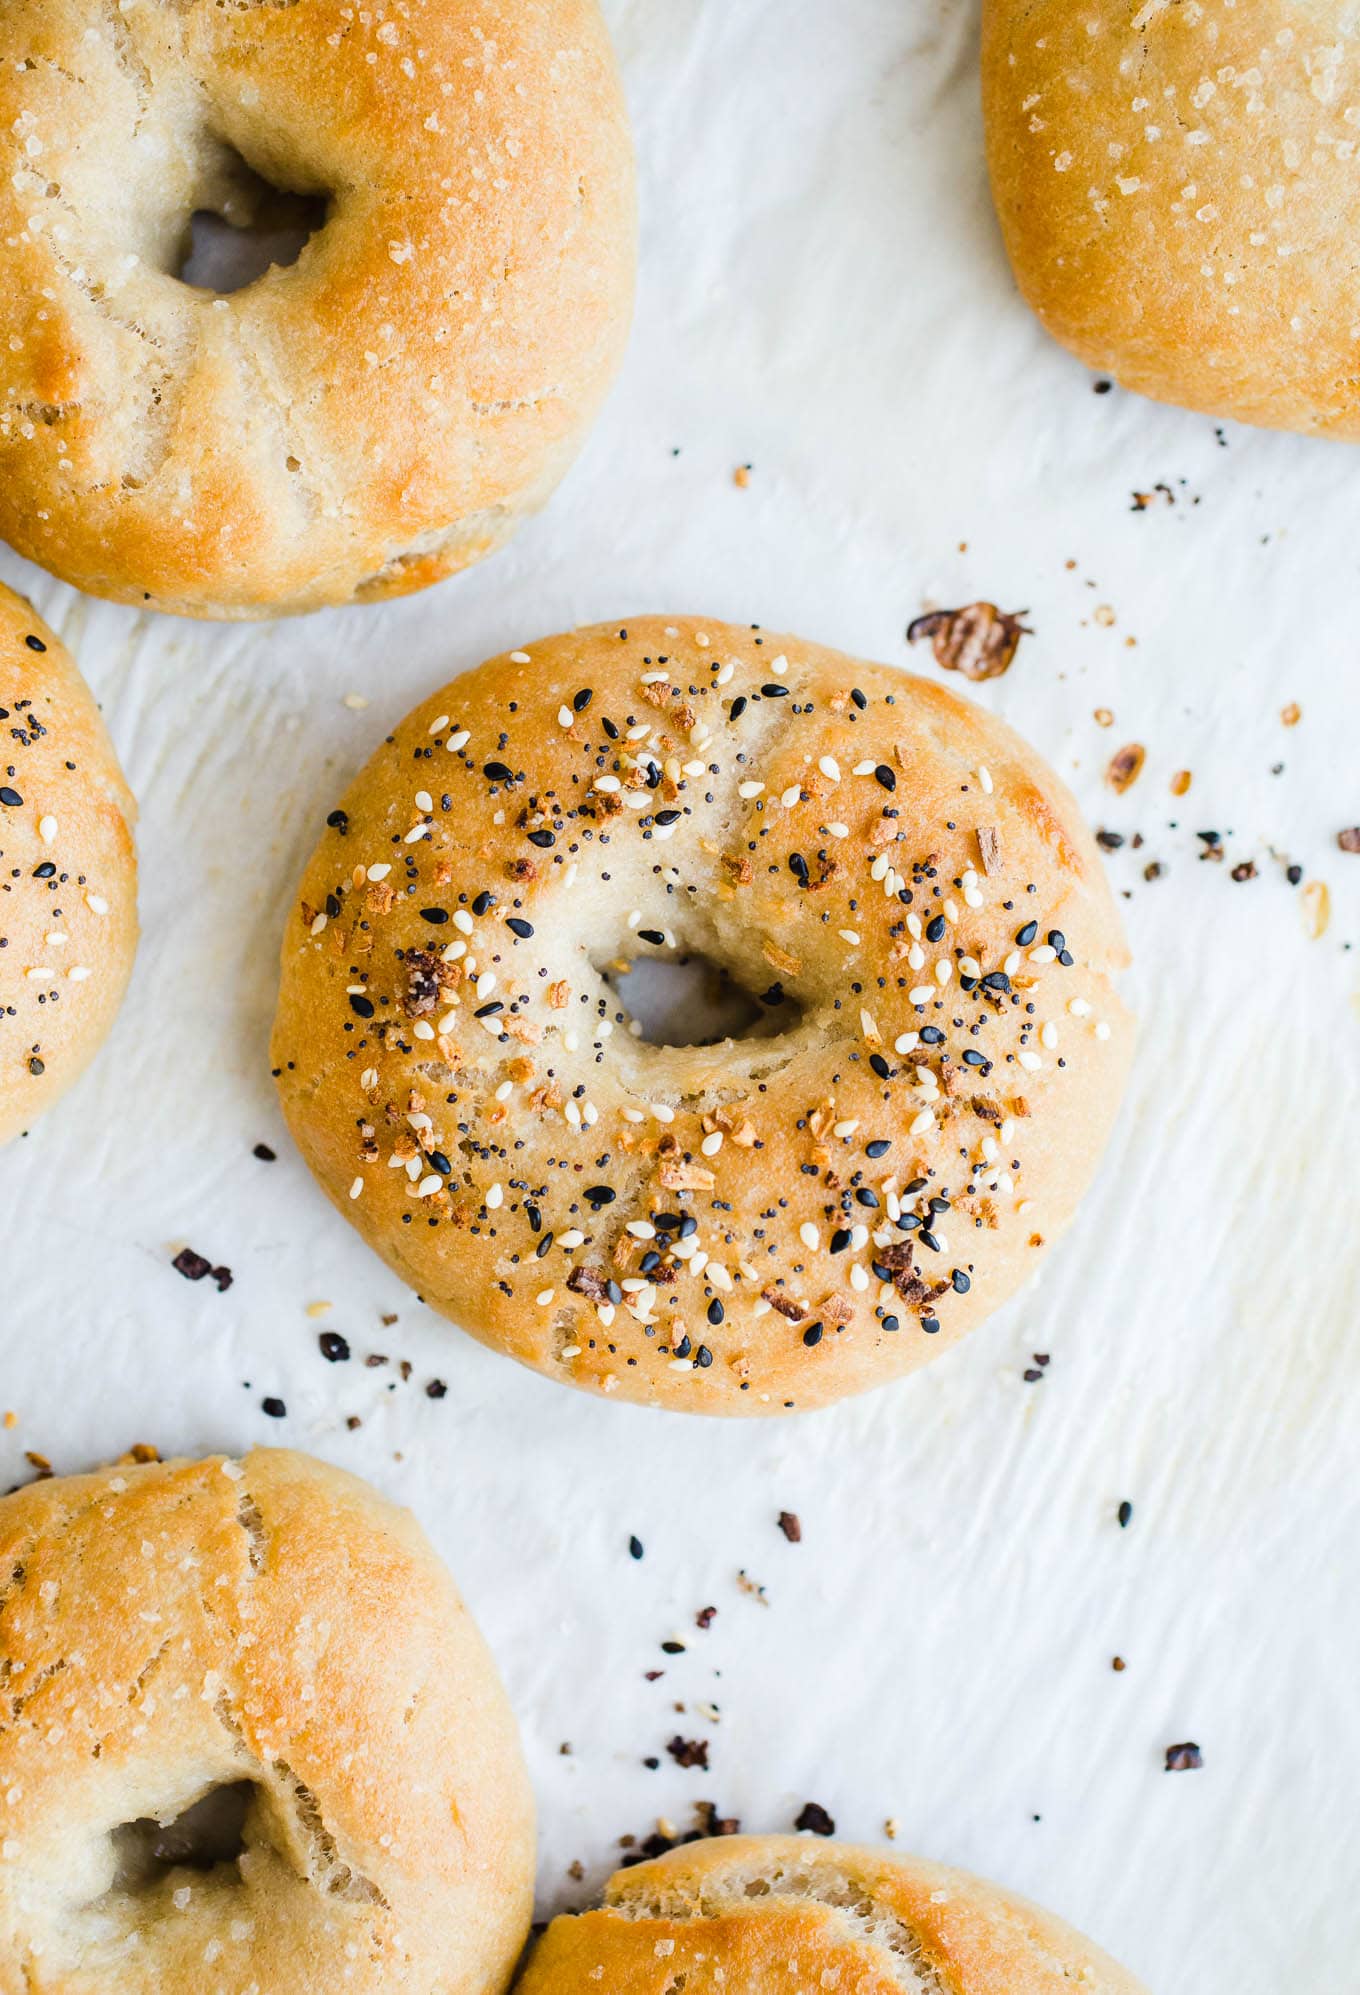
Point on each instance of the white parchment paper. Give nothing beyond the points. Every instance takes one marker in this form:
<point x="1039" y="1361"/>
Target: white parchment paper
<point x="824" y="298"/>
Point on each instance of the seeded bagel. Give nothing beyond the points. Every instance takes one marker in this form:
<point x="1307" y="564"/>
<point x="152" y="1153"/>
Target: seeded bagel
<point x="375" y="416"/>
<point x="767" y="1223"/>
<point x="784" y="1915"/>
<point x="68" y="870"/>
<point x="249" y="1738"/>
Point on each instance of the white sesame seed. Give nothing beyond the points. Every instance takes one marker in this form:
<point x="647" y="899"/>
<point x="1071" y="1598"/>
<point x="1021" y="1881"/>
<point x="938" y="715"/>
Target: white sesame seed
<point x="655" y="678"/>
<point x="633" y="1115"/>
<point x="849" y="935"/>
<point x="859" y="1278"/>
<point x="809" y="1235"/>
<point x="641" y="1229"/>
<point x="1048" y="1036"/>
<point x="505" y="1089"/>
<point x="457" y="741"/>
<point x="416" y="831"/>
<point x="908" y="1042"/>
<point x="47" y="829"/>
<point x="943" y="971"/>
<point x="1045" y="953"/>
<point x="608" y="784"/>
<point x="921" y="993"/>
<point x="864" y="768"/>
<point x="544" y="1300"/>
<point x="565" y="717"/>
<point x="844" y="1129"/>
<point x="429" y="1186"/>
<point x="422" y="1029"/>
<point x="712" y="1144"/>
<point x="829" y="766"/>
<point x="569" y="1240"/>
<point x="662" y="1112"/>
<point x="380" y="871"/>
<point x="495" y="1198"/>
<point x="984" y="776"/>
<point x="368" y="1078"/>
<point x="920" y="1123"/>
<point x="1079" y="1007"/>
<point x="520" y="658"/>
<point x="839" y="830"/>
<point x="96" y="904"/>
<point x="791" y="795"/>
<point x="424" y="801"/>
<point x="438" y="726"/>
<point x="1029" y="1061"/>
<point x="486" y="983"/>
<point x="318" y="924"/>
<point x="868" y="1025"/>
<point x="463" y="920"/>
<point x="1102" y="1030"/>
<point x="749" y="789"/>
<point x="39" y="975"/>
<point x="78" y="973"/>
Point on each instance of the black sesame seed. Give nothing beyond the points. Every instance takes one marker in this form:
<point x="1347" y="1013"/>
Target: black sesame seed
<point x="716" y="1312"/>
<point x="439" y="1162"/>
<point x="10" y="797"/>
<point x="436" y="916"/>
<point x="496" y="772"/>
<point x="684" y="1347"/>
<point x="883" y="774"/>
<point x="879" y="1147"/>
<point x="812" y="1335"/>
<point x="338" y="820"/>
<point x="47" y="870"/>
<point x="775" y="692"/>
<point x="361" y="1005"/>
<point x="635" y="1548"/>
<point x="703" y="1357"/>
<point x="544" y="1247"/>
<point x="935" y="929"/>
<point x="1024" y="936"/>
<point x="961" y="1282"/>
<point x="668" y="817"/>
<point x="798" y="867"/>
<point x="483" y="901"/>
<point x="334" y="1347"/>
<point x="880" y="1066"/>
<point x="524" y="929"/>
<point x="972" y="1058"/>
<point x="931" y="1035"/>
<point x="737" y="708"/>
<point x="275" y="1408"/>
<point x="652" y="935"/>
<point x="581" y="700"/>
<point x="34" y="643"/>
<point x="916" y="1184"/>
<point x="927" y="1239"/>
<point x="601" y="1194"/>
<point x="931" y="1325"/>
<point x="542" y="839"/>
<point x="1057" y="940"/>
<point x="840" y="1240"/>
<point x="866" y="1195"/>
<point x="492" y="1010"/>
<point x="858" y="698"/>
<point x="1125" y="1514"/>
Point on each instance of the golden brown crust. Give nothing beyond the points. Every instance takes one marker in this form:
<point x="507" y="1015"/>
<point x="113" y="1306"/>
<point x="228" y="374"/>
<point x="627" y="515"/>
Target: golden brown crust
<point x="1173" y="177"/>
<point x="781" y="1915"/>
<point x="378" y="415"/>
<point x="463" y="1082"/>
<point x="68" y="870"/>
<point x="174" y="1629"/>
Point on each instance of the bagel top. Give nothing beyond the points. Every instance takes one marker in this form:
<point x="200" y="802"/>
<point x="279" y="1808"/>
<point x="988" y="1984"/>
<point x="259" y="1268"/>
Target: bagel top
<point x="273" y="1633"/>
<point x="1174" y="183"/>
<point x="68" y="870"/>
<point x="368" y="420"/>
<point x="751" y="1227"/>
<point x="780" y="1915"/>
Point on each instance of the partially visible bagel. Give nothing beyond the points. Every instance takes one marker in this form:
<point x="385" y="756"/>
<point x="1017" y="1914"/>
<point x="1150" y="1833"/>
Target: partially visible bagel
<point x="68" y="870"/>
<point x="249" y="1738"/>
<point x="749" y="1227"/>
<point x="784" y="1915"/>
<point x="1177" y="189"/>
<point x="356" y="426"/>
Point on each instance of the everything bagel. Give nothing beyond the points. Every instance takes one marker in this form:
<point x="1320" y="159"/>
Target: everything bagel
<point x="68" y="870"/>
<point x="362" y="423"/>
<point x="768" y="1223"/>
<point x="783" y="1915"/>
<point x="249" y="1738"/>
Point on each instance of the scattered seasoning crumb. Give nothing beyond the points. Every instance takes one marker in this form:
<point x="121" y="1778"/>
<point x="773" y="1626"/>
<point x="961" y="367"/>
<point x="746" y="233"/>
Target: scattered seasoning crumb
<point x="315" y="1309"/>
<point x="1181" y="782"/>
<point x="40" y="1463"/>
<point x="334" y="1347"/>
<point x="1118" y="1665"/>
<point x="1109" y="841"/>
<point x="1349" y="840"/>
<point x="353" y="1421"/>
<point x="635" y="1548"/>
<point x="979" y="640"/>
<point x="1103" y="717"/>
<point x="1244" y="870"/>
<point x="815" y="1819"/>
<point x="1125" y="1514"/>
<point x="196" y="1268"/>
<point x="11" y="1422"/>
<point x="275" y="1408"/>
<point x="1125" y="767"/>
<point x="791" y="1527"/>
<point x="1184" y="1758"/>
<point x="741" y="477"/>
<point x="1317" y="908"/>
<point x="265" y="1154"/>
<point x="890" y="1829"/>
<point x="436" y="1389"/>
<point x="753" y="1587"/>
<point x="1104" y="616"/>
<point x="689" y="1752"/>
<point x="1291" y="715"/>
<point x="705" y="1617"/>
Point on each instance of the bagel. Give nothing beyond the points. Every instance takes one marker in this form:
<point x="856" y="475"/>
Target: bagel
<point x="383" y="412"/>
<point x="249" y="1738"/>
<point x="1175" y="183"/>
<point x="779" y="1915"/>
<point x="68" y="870"/>
<point x="750" y="1227"/>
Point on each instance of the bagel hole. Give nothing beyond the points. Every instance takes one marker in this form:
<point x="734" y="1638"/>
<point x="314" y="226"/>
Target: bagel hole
<point x="691" y="1000"/>
<point x="242" y="225"/>
<point x="208" y="1835"/>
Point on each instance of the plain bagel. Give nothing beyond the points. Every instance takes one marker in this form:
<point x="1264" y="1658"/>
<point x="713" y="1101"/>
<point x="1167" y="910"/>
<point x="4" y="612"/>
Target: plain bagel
<point x="1177" y="190"/>
<point x="784" y="1915"/>
<point x="249" y="1738"/>
<point x="356" y="426"/>
<point x="68" y="870"/>
<point x="743" y="1228"/>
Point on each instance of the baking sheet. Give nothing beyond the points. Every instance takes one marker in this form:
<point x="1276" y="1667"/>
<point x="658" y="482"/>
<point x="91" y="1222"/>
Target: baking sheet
<point x="824" y="299"/>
